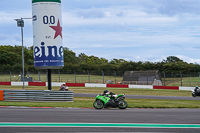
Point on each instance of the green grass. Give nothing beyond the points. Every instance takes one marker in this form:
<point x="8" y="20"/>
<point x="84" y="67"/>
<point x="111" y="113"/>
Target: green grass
<point x="68" y="78"/>
<point x="78" y="103"/>
<point x="88" y="103"/>
<point x="133" y="91"/>
<point x="155" y="103"/>
<point x="97" y="90"/>
<point x="186" y="81"/>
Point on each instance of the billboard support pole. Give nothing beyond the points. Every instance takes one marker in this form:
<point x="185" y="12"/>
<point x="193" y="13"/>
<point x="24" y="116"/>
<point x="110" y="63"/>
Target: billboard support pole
<point x="49" y="79"/>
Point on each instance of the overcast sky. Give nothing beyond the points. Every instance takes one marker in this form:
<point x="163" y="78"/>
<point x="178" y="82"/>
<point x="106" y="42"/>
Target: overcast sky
<point x="134" y="30"/>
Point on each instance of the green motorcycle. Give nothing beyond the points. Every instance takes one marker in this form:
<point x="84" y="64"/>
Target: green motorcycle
<point x="103" y="100"/>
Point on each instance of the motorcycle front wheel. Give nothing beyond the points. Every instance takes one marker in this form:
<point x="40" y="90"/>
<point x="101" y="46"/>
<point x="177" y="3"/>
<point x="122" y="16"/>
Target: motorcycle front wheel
<point x="122" y="104"/>
<point x="193" y="94"/>
<point x="98" y="104"/>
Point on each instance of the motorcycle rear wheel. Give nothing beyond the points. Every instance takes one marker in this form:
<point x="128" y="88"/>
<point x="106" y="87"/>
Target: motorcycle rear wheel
<point x="122" y="104"/>
<point x="98" y="104"/>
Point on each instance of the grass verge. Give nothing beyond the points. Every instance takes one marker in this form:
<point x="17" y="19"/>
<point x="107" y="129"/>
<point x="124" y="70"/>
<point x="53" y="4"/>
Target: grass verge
<point x="97" y="90"/>
<point x="87" y="102"/>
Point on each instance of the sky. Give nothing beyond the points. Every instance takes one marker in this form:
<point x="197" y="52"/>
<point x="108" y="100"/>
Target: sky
<point x="133" y="30"/>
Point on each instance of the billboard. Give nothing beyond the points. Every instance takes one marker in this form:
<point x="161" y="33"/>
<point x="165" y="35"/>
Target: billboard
<point x="47" y="34"/>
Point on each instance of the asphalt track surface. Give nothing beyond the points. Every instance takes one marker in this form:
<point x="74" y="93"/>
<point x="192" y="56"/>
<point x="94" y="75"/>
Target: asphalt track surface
<point x="46" y="120"/>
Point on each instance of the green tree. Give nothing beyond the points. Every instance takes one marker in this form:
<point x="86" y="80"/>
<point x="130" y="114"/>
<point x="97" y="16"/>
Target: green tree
<point x="173" y="59"/>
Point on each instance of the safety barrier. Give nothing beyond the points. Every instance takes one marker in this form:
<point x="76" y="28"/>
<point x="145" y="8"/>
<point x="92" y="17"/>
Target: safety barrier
<point x="36" y="83"/>
<point x="5" y="83"/>
<point x="35" y="95"/>
<point x="75" y="84"/>
<point x="97" y="85"/>
<point x="117" y="85"/>
<point x="166" y="87"/>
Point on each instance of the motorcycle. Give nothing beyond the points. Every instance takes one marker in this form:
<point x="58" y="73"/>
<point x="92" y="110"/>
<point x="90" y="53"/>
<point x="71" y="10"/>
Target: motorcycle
<point x="116" y="101"/>
<point x="63" y="88"/>
<point x="195" y="93"/>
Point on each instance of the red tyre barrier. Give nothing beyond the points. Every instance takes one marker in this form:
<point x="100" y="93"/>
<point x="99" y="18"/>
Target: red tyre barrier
<point x="36" y="83"/>
<point x="75" y="84"/>
<point x="117" y="85"/>
<point x="166" y="87"/>
<point x="5" y="83"/>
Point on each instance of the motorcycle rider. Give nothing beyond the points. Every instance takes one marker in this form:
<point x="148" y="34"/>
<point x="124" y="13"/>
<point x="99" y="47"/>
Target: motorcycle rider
<point x="106" y="92"/>
<point x="63" y="88"/>
<point x="111" y="102"/>
<point x="197" y="90"/>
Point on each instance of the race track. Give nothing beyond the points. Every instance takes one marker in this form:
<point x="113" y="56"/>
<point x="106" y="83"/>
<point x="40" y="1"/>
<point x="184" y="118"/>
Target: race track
<point x="18" y="119"/>
<point x="25" y="119"/>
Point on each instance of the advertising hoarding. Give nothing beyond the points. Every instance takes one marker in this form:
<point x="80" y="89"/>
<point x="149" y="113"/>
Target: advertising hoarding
<point x="47" y="34"/>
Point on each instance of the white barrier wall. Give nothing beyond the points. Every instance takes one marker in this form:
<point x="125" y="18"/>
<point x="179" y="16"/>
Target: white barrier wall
<point x="105" y="85"/>
<point x="19" y="83"/>
<point x="94" y="85"/>
<point x="55" y="83"/>
<point x="141" y="86"/>
<point x="186" y="88"/>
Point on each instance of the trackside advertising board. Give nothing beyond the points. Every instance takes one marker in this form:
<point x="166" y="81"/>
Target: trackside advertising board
<point x="47" y="34"/>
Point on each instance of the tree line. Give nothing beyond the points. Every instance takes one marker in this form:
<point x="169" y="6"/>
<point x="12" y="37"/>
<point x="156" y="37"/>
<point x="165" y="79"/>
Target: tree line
<point x="11" y="60"/>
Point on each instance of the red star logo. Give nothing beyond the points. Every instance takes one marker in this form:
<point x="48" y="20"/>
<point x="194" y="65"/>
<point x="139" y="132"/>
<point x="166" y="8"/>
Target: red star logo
<point x="58" y="30"/>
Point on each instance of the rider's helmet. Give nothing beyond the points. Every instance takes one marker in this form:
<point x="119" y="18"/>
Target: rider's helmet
<point x="197" y="89"/>
<point x="105" y="91"/>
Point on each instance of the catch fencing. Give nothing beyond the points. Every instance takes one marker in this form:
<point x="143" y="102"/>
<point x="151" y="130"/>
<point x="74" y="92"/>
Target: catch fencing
<point x="115" y="77"/>
<point x="57" y="76"/>
<point x="36" y="95"/>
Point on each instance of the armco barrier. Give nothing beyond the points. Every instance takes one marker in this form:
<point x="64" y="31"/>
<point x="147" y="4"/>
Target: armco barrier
<point x="35" y="95"/>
